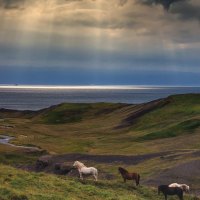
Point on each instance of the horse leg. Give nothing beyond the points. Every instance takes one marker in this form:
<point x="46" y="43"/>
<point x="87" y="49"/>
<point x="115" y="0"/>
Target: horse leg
<point x="138" y="179"/>
<point x="180" y="196"/>
<point x="95" y="174"/>
<point x="81" y="176"/>
<point x="124" y="180"/>
<point x="165" y="196"/>
<point x="95" y="177"/>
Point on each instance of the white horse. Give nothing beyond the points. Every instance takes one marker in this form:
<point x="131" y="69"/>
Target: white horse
<point x="82" y="169"/>
<point x="184" y="187"/>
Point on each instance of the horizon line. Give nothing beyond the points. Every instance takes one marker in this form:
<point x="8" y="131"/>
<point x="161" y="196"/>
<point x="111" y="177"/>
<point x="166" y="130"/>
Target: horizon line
<point x="16" y="86"/>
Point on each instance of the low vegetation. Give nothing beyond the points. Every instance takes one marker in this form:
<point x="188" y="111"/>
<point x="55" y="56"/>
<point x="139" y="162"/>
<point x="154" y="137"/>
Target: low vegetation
<point x="186" y="127"/>
<point x="101" y="128"/>
<point x="75" y="112"/>
<point x="16" y="184"/>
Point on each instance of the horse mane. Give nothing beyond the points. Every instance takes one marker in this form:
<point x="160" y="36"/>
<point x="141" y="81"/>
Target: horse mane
<point x="122" y="170"/>
<point x="80" y="164"/>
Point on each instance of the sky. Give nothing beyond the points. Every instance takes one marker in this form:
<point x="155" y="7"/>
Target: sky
<point x="100" y="42"/>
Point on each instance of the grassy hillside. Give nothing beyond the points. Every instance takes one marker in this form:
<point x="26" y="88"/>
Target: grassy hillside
<point x="104" y="128"/>
<point x="20" y="185"/>
<point x="185" y="127"/>
<point x="167" y="125"/>
<point x="73" y="113"/>
<point x="181" y="115"/>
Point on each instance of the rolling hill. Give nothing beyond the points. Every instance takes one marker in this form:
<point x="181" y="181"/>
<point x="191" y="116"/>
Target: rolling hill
<point x="162" y="135"/>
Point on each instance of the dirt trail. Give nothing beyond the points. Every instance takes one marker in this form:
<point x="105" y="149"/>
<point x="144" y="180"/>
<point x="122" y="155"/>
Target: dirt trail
<point x="124" y="159"/>
<point x="50" y="161"/>
<point x="109" y="159"/>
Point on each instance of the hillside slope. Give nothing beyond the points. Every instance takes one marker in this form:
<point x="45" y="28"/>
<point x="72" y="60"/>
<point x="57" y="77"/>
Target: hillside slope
<point x="163" y="135"/>
<point x="103" y="127"/>
<point x="20" y="185"/>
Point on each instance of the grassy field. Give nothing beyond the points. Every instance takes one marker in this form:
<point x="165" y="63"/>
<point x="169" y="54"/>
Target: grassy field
<point x="171" y="124"/>
<point x="20" y="185"/>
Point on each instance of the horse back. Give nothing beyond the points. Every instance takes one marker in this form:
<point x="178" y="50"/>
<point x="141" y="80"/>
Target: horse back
<point x="131" y="176"/>
<point x="94" y="170"/>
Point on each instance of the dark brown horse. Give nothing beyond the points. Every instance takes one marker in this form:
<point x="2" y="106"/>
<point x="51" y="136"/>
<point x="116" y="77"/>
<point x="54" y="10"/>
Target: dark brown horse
<point x="129" y="176"/>
<point x="166" y="190"/>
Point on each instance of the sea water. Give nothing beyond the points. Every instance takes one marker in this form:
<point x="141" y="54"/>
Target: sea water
<point x="31" y="98"/>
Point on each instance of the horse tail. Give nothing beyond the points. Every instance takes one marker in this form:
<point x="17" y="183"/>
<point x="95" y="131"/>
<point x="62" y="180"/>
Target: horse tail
<point x="188" y="188"/>
<point x="96" y="172"/>
<point x="138" y="179"/>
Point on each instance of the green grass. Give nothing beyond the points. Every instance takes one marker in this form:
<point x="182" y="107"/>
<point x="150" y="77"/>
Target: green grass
<point x="91" y="128"/>
<point x="20" y="185"/>
<point x="179" y="108"/>
<point x="18" y="158"/>
<point x="186" y="127"/>
<point x="66" y="113"/>
<point x="75" y="112"/>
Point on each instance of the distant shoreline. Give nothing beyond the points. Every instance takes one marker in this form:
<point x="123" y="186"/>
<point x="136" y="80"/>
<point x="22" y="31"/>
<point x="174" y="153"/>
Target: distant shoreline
<point x="31" y="98"/>
<point x="92" y="87"/>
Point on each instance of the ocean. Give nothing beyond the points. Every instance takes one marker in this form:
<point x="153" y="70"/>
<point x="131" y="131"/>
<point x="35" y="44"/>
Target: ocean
<point x="30" y="98"/>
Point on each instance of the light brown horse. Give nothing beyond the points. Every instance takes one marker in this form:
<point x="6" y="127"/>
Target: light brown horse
<point x="129" y="176"/>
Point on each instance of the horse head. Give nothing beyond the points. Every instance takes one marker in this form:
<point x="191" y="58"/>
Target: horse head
<point x="122" y="170"/>
<point x="185" y="188"/>
<point x="75" y="164"/>
<point x="78" y="164"/>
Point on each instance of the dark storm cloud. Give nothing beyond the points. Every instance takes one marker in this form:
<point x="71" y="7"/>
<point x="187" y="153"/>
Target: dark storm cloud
<point x="187" y="10"/>
<point x="165" y="3"/>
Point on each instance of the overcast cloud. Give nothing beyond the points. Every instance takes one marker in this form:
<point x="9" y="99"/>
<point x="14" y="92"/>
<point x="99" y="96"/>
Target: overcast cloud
<point x="162" y="35"/>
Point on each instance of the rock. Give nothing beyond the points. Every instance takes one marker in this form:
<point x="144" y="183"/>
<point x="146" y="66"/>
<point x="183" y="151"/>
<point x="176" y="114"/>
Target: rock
<point x="62" y="168"/>
<point x="43" y="162"/>
<point x="57" y="166"/>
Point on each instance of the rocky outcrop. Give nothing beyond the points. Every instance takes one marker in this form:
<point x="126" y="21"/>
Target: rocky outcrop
<point x="62" y="168"/>
<point x="43" y="162"/>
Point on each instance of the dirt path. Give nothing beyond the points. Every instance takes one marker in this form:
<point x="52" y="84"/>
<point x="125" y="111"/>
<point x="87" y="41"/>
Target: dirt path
<point x="48" y="162"/>
<point x="109" y="159"/>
